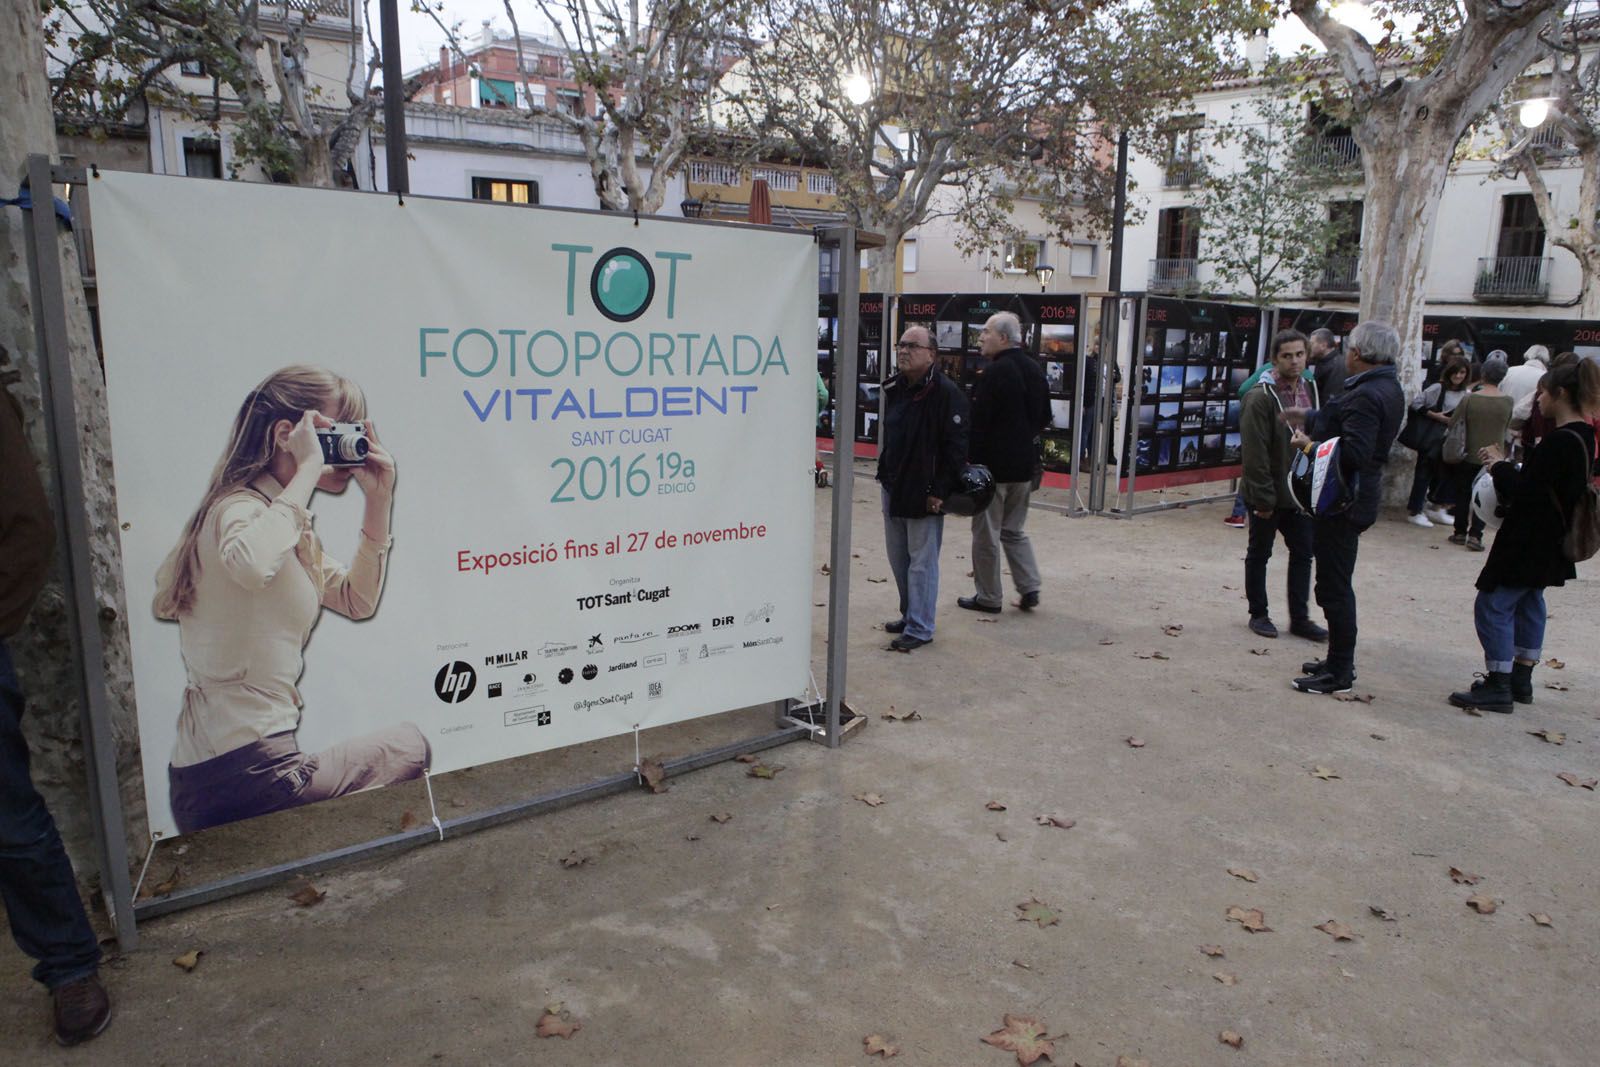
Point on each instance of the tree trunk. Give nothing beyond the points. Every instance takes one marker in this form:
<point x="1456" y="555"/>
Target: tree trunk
<point x="44" y="649"/>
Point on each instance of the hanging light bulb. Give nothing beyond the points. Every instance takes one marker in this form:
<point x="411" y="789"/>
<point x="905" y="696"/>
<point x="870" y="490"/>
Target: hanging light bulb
<point x="857" y="89"/>
<point x="1532" y="113"/>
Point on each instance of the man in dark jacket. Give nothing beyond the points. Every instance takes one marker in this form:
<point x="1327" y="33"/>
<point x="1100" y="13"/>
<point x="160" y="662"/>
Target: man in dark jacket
<point x="1365" y="418"/>
<point x="1327" y="363"/>
<point x="36" y="881"/>
<point x="1264" y="441"/>
<point x="924" y="449"/>
<point x="1010" y="405"/>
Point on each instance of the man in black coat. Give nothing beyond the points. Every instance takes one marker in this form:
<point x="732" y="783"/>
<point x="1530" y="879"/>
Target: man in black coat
<point x="1010" y="405"/>
<point x="1327" y="363"/>
<point x="1365" y="418"/>
<point x="924" y="450"/>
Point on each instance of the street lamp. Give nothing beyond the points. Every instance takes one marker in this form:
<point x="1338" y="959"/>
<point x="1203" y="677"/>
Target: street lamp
<point x="857" y="89"/>
<point x="1532" y="113"/>
<point x="692" y="207"/>
<point x="1044" y="272"/>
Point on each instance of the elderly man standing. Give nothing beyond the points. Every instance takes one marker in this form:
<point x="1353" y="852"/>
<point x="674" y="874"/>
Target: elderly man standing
<point x="1365" y="418"/>
<point x="1010" y="405"/>
<point x="924" y="450"/>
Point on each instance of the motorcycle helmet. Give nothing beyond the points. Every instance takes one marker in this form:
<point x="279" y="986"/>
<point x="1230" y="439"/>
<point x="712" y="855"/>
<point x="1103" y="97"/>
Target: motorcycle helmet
<point x="1316" y="484"/>
<point x="1485" y="502"/>
<point x="974" y="489"/>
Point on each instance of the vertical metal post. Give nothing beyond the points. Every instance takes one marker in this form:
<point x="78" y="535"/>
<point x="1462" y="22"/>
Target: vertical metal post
<point x="83" y="616"/>
<point x="1104" y="402"/>
<point x="1136" y="381"/>
<point x="1119" y="213"/>
<point x="1080" y="411"/>
<point x="844" y="454"/>
<point x="394" y="99"/>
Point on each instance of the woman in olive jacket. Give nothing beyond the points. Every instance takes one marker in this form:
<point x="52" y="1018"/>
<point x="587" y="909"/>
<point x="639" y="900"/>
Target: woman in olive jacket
<point x="1537" y="502"/>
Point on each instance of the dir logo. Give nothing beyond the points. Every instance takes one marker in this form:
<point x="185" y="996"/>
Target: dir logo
<point x="455" y="682"/>
<point x="622" y="284"/>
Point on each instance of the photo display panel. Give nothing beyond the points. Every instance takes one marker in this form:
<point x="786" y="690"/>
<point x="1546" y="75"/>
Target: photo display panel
<point x="871" y="356"/>
<point x="1196" y="355"/>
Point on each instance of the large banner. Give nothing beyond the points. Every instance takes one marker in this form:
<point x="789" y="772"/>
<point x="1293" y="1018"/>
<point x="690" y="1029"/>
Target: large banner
<point x="559" y="476"/>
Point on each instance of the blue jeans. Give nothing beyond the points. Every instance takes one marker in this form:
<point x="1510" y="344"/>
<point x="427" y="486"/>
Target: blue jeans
<point x="1510" y="621"/>
<point x="913" y="546"/>
<point x="41" y="896"/>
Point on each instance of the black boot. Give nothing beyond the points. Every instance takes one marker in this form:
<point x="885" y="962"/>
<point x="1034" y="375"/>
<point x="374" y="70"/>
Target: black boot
<point x="1491" y="692"/>
<point x="1522" y="683"/>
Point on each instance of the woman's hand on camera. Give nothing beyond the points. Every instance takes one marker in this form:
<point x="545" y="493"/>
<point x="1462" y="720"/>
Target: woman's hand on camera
<point x="302" y="443"/>
<point x="377" y="475"/>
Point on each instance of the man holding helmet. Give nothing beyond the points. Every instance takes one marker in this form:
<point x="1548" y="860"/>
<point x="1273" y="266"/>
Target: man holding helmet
<point x="1365" y="418"/>
<point x="1010" y="406"/>
<point x="919" y="466"/>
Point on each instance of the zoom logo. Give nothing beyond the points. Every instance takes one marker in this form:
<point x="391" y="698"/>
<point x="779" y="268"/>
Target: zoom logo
<point x="455" y="682"/>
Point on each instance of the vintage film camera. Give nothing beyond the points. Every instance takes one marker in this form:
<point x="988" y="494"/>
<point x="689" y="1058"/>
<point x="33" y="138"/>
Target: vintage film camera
<point x="344" y="444"/>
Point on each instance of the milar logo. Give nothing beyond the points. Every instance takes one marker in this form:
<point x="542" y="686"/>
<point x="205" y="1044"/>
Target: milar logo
<point x="506" y="659"/>
<point x="455" y="682"/>
<point x="627" y="665"/>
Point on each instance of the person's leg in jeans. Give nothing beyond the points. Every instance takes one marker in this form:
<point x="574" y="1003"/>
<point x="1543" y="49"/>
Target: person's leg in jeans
<point x="988" y="590"/>
<point x="1019" y="550"/>
<point x="1421" y="476"/>
<point x="924" y="537"/>
<point x="1257" y="552"/>
<point x="894" y="542"/>
<point x="1336" y="541"/>
<point x="1494" y="616"/>
<point x="1298" y="535"/>
<point x="36" y="881"/>
<point x="1528" y="626"/>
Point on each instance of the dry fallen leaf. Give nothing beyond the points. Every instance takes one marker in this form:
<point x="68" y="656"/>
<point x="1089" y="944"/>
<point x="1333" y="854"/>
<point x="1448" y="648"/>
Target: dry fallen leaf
<point x="878" y="1045"/>
<point x="557" y="1021"/>
<point x="1173" y="629"/>
<point x="763" y="770"/>
<point x="1324" y="773"/>
<point x="1383" y="913"/>
<point x="1554" y="664"/>
<point x="1231" y="1039"/>
<point x="407" y="821"/>
<point x="1038" y="913"/>
<point x="1251" y="919"/>
<point x="1541" y="918"/>
<point x="721" y="817"/>
<point x="573" y="859"/>
<point x="1559" y="687"/>
<point x="1346" y="974"/>
<point x="189" y="960"/>
<point x="877" y="581"/>
<point x="995" y="805"/>
<point x="308" y="895"/>
<point x="871" y="800"/>
<point x="1353" y="698"/>
<point x="1107" y="641"/>
<point x="1481" y="904"/>
<point x="1135" y="742"/>
<point x="824" y="569"/>
<point x="1027" y="1037"/>
<point x="1244" y="872"/>
<point x="1261" y="651"/>
<point x="161" y="889"/>
<point x="908" y="716"/>
<point x="1573" y="779"/>
<point x="1336" y="930"/>
<point x="1024" y="966"/>
<point x="1554" y="737"/>
<point x="748" y="757"/>
<point x="653" y="774"/>
<point x="1055" y="820"/>
<point x="1151" y="655"/>
<point x="1460" y="877"/>
<point x="1379" y="737"/>
<point x="1129" y="1061"/>
<point x="1214" y="951"/>
<point x="1225" y="978"/>
<point x="1000" y="836"/>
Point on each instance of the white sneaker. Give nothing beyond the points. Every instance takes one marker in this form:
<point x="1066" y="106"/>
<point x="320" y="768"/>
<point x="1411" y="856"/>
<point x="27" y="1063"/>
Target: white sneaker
<point x="1440" y="515"/>
<point x="1419" y="519"/>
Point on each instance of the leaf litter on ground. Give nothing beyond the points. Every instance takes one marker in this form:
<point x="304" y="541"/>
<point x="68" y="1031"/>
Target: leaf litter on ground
<point x="1037" y="912"/>
<point x="1252" y="919"/>
<point x="1026" y="1036"/>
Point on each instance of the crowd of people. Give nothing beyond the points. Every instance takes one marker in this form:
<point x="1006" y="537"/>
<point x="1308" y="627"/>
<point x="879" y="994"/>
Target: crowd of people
<point x="1523" y="439"/>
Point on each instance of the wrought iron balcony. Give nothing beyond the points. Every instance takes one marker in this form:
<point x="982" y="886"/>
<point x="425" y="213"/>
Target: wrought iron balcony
<point x="1336" y="152"/>
<point x="1521" y="279"/>
<point x="1341" y="275"/>
<point x="1182" y="174"/>
<point x="1173" y="275"/>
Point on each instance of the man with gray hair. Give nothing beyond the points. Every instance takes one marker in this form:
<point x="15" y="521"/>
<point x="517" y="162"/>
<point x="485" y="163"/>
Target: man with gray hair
<point x="1010" y="405"/>
<point x="1365" y="418"/>
<point x="1521" y="382"/>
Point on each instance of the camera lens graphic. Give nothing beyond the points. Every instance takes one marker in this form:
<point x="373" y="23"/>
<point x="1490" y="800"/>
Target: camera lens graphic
<point x="622" y="284"/>
<point x="353" y="447"/>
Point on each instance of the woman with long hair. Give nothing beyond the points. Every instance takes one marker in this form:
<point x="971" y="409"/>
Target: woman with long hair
<point x="246" y="584"/>
<point x="1526" y="558"/>
<point x="1437" y="402"/>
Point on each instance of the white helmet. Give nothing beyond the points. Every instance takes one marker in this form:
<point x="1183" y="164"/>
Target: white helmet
<point x="1485" y="503"/>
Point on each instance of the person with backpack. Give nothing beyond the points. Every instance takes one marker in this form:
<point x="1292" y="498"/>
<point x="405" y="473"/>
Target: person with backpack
<point x="1550" y="522"/>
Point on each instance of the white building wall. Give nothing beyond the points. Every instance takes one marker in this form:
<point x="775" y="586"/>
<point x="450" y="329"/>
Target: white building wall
<point x="943" y="268"/>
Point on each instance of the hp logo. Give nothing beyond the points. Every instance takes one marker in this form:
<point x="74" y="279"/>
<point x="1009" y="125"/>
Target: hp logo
<point x="455" y="682"/>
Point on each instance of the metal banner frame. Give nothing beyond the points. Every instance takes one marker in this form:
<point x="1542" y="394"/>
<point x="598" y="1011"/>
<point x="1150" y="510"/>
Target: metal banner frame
<point x="793" y="720"/>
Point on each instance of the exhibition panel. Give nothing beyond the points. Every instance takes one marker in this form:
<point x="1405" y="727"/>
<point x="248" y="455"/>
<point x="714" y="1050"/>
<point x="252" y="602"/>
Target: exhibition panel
<point x="874" y="361"/>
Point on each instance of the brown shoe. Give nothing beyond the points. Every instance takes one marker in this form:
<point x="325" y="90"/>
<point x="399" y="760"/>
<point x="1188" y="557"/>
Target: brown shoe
<point x="82" y="1010"/>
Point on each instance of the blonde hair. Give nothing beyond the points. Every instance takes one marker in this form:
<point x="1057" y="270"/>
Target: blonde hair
<point x="285" y="394"/>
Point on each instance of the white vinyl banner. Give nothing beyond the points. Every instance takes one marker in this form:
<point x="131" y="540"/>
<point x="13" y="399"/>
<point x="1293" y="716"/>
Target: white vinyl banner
<point x="557" y="486"/>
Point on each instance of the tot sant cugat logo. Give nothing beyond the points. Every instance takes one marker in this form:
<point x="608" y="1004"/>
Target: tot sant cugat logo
<point x="622" y="284"/>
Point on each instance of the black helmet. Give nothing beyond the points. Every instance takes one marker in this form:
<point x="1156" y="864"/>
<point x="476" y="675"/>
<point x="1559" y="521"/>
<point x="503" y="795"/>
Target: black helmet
<point x="1315" y="482"/>
<point x="974" y="489"/>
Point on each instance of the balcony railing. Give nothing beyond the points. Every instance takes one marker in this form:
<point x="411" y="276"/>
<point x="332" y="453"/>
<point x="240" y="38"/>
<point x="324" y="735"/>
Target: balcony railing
<point x="1333" y="152"/>
<point x="1340" y="275"/>
<point x="1173" y="275"/>
<point x="778" y="179"/>
<point x="820" y="183"/>
<point x="1182" y="174"/>
<point x="1518" y="278"/>
<point x="715" y="173"/>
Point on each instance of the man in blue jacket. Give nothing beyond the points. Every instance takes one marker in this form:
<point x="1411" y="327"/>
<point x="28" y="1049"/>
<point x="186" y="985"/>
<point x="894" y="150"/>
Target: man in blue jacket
<point x="924" y="450"/>
<point x="1365" y="418"/>
<point x="1010" y="406"/>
